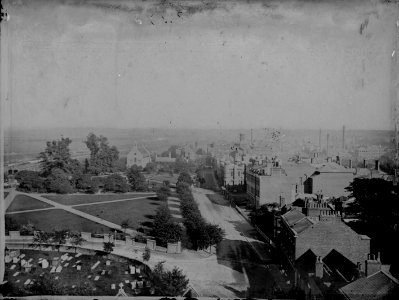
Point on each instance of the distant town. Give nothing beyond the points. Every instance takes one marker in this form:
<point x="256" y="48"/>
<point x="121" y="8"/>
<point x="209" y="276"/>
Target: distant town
<point x="270" y="214"/>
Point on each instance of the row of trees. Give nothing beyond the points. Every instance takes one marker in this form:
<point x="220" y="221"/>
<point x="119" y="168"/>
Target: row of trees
<point x="165" y="229"/>
<point x="201" y="234"/>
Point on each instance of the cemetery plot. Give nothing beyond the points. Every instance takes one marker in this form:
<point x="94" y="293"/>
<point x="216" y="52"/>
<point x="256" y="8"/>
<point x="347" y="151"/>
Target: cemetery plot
<point x="74" y="273"/>
<point x="87" y="199"/>
<point x="136" y="211"/>
<point x="56" y="219"/>
<point x="23" y="202"/>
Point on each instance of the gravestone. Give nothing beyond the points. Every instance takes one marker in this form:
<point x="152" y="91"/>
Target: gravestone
<point x="45" y="264"/>
<point x="95" y="265"/>
<point x="14" y="253"/>
<point x="78" y="267"/>
<point x="55" y="261"/>
<point x="15" y="260"/>
<point x="113" y="286"/>
<point x="7" y="259"/>
<point x="59" y="269"/>
<point x="108" y="263"/>
<point x="132" y="269"/>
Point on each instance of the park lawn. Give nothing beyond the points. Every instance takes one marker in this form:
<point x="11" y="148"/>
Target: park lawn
<point x="83" y="199"/>
<point x="23" y="202"/>
<point x="69" y="276"/>
<point x="55" y="219"/>
<point x="136" y="211"/>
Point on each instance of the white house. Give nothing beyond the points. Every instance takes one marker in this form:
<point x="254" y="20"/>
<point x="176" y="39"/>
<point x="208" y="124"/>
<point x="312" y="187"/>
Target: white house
<point x="138" y="156"/>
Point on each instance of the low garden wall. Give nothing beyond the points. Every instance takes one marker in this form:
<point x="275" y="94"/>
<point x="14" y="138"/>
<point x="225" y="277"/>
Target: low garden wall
<point x="15" y="238"/>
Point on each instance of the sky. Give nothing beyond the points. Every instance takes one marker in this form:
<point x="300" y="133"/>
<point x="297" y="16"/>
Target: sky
<point x="183" y="64"/>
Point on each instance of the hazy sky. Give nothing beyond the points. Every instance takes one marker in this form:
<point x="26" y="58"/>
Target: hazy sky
<point x="294" y="64"/>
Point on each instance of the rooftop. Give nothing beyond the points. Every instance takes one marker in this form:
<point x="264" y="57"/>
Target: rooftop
<point x="377" y="286"/>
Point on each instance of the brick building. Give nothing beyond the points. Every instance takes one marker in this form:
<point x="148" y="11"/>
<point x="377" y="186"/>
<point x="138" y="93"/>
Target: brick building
<point x="320" y="230"/>
<point x="265" y="183"/>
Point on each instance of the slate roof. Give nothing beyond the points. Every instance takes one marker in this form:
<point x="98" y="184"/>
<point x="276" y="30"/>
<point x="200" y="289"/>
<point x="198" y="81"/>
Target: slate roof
<point x="375" y="286"/>
<point x="297" y="221"/>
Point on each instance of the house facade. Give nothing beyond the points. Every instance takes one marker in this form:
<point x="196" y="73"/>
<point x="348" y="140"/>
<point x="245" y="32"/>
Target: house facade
<point x="138" y="156"/>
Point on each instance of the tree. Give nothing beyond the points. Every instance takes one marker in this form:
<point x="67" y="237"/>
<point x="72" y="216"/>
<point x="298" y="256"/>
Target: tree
<point x="57" y="155"/>
<point x="136" y="179"/>
<point x="146" y="254"/>
<point x="103" y="158"/>
<point x="163" y="193"/>
<point x="30" y="181"/>
<point x="375" y="202"/>
<point x="59" y="238"/>
<point x="41" y="238"/>
<point x="164" y="229"/>
<point x="59" y="182"/>
<point x="168" y="283"/>
<point x="125" y="224"/>
<point x="108" y="247"/>
<point x="185" y="177"/>
<point x="116" y="183"/>
<point x="75" y="239"/>
<point x="150" y="167"/>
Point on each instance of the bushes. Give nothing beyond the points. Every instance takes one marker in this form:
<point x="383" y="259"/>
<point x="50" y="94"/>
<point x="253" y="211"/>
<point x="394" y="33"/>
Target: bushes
<point x="200" y="233"/>
<point x="30" y="181"/>
<point x="168" y="283"/>
<point x="116" y="183"/>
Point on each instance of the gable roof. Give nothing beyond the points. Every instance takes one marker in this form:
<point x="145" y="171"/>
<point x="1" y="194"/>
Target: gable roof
<point x="374" y="286"/>
<point x="143" y="150"/>
<point x="297" y="221"/>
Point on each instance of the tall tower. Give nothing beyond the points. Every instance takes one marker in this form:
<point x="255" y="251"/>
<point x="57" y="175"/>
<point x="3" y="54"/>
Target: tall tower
<point x="320" y="140"/>
<point x="343" y="137"/>
<point x="328" y="137"/>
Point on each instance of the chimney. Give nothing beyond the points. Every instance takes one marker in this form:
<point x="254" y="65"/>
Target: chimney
<point x="343" y="137"/>
<point x="377" y="165"/>
<point x="364" y="163"/>
<point x="319" y="267"/>
<point x="372" y="265"/>
<point x="293" y="193"/>
<point x="300" y="181"/>
<point x="350" y="164"/>
<point x="282" y="201"/>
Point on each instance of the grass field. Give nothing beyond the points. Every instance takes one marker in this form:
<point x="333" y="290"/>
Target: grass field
<point x="138" y="212"/>
<point x="69" y="276"/>
<point x="23" y="202"/>
<point x="82" y="199"/>
<point x="49" y="220"/>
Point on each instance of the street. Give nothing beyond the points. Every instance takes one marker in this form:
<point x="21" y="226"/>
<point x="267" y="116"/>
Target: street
<point x="242" y="251"/>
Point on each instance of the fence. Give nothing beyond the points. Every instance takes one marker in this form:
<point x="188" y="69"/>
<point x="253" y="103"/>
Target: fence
<point x="15" y="237"/>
